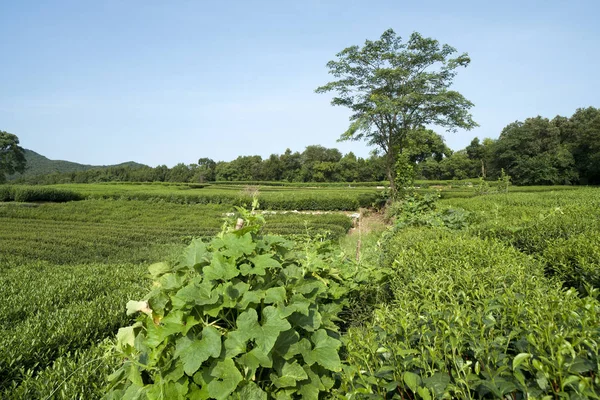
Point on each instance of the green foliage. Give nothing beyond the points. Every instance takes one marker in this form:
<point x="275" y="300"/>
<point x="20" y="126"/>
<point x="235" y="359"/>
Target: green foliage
<point x="244" y="315"/>
<point x="503" y="182"/>
<point x="533" y="154"/>
<point x="41" y="303"/>
<point x="6" y="193"/>
<point x="394" y="88"/>
<point x="405" y="173"/>
<point x="575" y="261"/>
<point x="314" y="164"/>
<point x="417" y="210"/>
<point x="472" y="319"/>
<point x="272" y="198"/>
<point x="37" y="193"/>
<point x="75" y="264"/>
<point x="12" y="156"/>
<point x="79" y="374"/>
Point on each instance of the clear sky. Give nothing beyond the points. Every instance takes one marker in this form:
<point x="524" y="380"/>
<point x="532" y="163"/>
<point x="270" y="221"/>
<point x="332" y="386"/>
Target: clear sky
<point x="162" y="82"/>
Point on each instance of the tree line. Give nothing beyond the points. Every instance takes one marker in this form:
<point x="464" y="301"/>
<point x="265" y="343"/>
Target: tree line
<point x="537" y="151"/>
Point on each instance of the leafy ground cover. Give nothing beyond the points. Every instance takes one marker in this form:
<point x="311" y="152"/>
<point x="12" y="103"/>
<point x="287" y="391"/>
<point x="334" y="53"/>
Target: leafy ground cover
<point x="501" y="308"/>
<point x="68" y="270"/>
<point x="482" y="297"/>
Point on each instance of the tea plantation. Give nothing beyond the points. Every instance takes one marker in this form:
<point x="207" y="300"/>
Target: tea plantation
<point x="469" y="296"/>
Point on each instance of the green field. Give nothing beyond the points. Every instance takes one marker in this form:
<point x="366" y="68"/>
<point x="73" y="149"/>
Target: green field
<point x="472" y="296"/>
<point x="271" y="197"/>
<point x="78" y="263"/>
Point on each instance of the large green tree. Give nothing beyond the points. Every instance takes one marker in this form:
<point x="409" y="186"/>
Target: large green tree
<point x="581" y="133"/>
<point x="12" y="156"/>
<point x="532" y="153"/>
<point x="394" y="87"/>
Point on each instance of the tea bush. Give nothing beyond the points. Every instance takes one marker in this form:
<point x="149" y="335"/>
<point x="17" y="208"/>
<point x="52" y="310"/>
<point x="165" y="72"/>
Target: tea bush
<point x="38" y="193"/>
<point x="471" y="318"/>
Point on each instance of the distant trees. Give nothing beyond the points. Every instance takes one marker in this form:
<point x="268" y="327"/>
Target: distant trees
<point x="532" y="153"/>
<point x="537" y="151"/>
<point x="581" y="135"/>
<point x="394" y="88"/>
<point x="12" y="156"/>
<point x="206" y="170"/>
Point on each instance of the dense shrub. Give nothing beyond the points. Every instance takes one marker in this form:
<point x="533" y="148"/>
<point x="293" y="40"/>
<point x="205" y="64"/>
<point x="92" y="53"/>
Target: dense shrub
<point x="575" y="261"/>
<point x="242" y="316"/>
<point x="6" y="193"/>
<point x="473" y="319"/>
<point x="40" y="193"/>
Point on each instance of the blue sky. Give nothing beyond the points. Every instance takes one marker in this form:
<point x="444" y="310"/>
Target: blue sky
<point x="162" y="82"/>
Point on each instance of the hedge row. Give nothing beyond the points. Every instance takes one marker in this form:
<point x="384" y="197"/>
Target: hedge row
<point x="37" y="193"/>
<point x="268" y="201"/>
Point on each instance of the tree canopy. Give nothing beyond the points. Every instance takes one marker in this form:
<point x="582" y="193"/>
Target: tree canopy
<point x="12" y="156"/>
<point x="394" y="87"/>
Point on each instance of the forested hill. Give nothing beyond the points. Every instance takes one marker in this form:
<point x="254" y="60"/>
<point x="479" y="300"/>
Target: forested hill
<point x="37" y="164"/>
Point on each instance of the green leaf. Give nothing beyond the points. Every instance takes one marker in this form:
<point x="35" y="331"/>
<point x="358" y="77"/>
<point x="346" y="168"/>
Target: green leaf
<point x="324" y="352"/>
<point x="412" y="380"/>
<point x="581" y="365"/>
<point x="221" y="268"/>
<point x="266" y="334"/>
<point x="261" y="264"/>
<point x="254" y="359"/>
<point x="199" y="294"/>
<point x="293" y="272"/>
<point x="290" y="374"/>
<point x="227" y="378"/>
<point x="194" y="352"/>
<point x="275" y="295"/>
<point x="424" y="393"/>
<point x="235" y="343"/>
<point x="237" y="290"/>
<point x="284" y="342"/>
<point x="519" y="358"/>
<point x="135" y="392"/>
<point x="251" y="297"/>
<point x="234" y="246"/>
<point x="311" y="390"/>
<point x="251" y="391"/>
<point x="171" y="324"/>
<point x="126" y="336"/>
<point x="171" y="281"/>
<point x="167" y="391"/>
<point x="437" y="383"/>
<point x="194" y="254"/>
<point x="158" y="269"/>
<point x="298" y="303"/>
<point x="310" y="322"/>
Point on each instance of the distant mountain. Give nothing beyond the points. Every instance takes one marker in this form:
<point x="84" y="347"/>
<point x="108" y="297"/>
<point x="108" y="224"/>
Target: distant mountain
<point x="37" y="164"/>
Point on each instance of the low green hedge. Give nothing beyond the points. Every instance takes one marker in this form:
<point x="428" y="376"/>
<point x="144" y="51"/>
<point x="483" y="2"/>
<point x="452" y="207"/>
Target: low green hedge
<point x="37" y="193"/>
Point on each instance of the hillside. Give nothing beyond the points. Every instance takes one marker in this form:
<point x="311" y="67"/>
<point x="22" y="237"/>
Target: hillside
<point x="37" y="164"/>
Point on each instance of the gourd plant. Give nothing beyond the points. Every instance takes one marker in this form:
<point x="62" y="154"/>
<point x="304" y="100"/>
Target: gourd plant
<point x="244" y="316"/>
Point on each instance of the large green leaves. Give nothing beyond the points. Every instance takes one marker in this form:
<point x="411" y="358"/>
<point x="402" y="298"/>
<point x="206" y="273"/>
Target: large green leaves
<point x="227" y="377"/>
<point x="239" y="317"/>
<point x="194" y="352"/>
<point x="266" y="333"/>
<point x="324" y="351"/>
